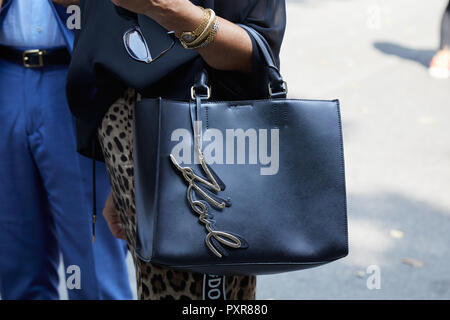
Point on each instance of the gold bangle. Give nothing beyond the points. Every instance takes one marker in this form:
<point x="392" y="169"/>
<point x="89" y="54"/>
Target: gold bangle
<point x="204" y="35"/>
<point x="190" y="36"/>
<point x="210" y="38"/>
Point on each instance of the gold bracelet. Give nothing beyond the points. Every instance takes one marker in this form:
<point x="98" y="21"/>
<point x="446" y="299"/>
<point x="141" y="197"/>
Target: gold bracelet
<point x="211" y="36"/>
<point x="205" y="33"/>
<point x="190" y="36"/>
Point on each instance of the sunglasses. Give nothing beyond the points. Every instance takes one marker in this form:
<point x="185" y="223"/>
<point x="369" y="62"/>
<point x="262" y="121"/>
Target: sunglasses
<point x="134" y="39"/>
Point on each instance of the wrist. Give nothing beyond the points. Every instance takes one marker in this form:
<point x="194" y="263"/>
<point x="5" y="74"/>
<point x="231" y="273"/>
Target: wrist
<point x="158" y="10"/>
<point x="177" y="15"/>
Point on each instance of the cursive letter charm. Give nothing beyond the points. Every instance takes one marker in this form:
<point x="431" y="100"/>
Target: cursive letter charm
<point x="200" y="208"/>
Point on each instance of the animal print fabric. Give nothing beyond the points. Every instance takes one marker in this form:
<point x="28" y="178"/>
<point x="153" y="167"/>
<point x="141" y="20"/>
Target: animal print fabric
<point x="153" y="282"/>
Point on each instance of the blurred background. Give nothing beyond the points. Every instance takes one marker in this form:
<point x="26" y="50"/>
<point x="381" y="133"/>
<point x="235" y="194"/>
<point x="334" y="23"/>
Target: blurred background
<point x="373" y="55"/>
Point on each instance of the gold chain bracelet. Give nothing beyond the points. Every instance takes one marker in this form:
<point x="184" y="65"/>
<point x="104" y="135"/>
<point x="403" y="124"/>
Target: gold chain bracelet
<point x="212" y="34"/>
<point x="190" y="36"/>
<point x="202" y="37"/>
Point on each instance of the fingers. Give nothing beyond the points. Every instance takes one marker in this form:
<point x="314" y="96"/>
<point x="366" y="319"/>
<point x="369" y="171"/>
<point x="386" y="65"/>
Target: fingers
<point x="112" y="219"/>
<point x="115" y="225"/>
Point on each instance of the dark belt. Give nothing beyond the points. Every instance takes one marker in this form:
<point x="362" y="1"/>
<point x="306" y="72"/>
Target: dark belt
<point x="35" y="58"/>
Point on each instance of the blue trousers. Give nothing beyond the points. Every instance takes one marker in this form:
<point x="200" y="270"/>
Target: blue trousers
<point x="45" y="196"/>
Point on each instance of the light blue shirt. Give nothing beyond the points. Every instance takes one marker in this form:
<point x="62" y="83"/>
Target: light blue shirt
<point x="31" y="24"/>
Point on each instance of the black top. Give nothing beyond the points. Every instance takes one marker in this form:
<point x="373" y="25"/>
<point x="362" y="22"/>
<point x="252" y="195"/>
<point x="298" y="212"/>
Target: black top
<point x="101" y="69"/>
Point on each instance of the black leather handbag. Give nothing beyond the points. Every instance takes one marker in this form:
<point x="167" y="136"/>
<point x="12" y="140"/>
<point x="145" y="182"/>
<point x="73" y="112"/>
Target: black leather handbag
<point x="240" y="187"/>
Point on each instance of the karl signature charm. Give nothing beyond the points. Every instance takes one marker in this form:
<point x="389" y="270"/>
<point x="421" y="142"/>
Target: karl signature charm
<point x="200" y="208"/>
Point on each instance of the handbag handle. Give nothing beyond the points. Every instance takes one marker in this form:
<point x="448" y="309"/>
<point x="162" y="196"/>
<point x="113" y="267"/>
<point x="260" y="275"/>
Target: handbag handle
<point x="277" y="86"/>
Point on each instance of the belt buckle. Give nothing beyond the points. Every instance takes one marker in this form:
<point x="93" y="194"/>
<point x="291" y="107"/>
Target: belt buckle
<point x="27" y="55"/>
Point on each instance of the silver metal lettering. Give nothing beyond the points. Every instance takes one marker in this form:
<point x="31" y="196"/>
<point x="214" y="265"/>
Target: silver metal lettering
<point x="200" y="208"/>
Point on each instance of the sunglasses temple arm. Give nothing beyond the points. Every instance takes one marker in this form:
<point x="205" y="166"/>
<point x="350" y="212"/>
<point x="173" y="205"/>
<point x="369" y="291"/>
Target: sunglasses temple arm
<point x="171" y="34"/>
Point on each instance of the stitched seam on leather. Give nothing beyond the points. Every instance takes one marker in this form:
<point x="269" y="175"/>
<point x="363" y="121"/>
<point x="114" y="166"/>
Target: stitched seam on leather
<point x="248" y="101"/>
<point x="156" y="204"/>
<point x="341" y="151"/>
<point x="246" y="264"/>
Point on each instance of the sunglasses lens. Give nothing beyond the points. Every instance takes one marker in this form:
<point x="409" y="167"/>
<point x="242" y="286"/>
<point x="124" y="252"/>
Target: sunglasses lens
<point x="136" y="46"/>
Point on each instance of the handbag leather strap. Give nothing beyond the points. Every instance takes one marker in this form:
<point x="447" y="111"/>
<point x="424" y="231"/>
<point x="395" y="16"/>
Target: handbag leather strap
<point x="277" y="86"/>
<point x="201" y="91"/>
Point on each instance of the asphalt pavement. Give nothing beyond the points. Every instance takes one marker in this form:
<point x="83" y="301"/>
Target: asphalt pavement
<point x="373" y="56"/>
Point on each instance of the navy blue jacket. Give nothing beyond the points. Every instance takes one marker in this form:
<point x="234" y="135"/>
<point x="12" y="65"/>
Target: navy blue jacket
<point x="101" y="69"/>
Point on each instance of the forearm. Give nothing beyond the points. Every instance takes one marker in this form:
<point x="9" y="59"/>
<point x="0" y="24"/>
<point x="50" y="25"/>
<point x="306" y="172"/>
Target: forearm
<point x="232" y="47"/>
<point x="230" y="50"/>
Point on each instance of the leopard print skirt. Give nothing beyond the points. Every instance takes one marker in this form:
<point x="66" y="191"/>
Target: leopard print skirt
<point x="153" y="282"/>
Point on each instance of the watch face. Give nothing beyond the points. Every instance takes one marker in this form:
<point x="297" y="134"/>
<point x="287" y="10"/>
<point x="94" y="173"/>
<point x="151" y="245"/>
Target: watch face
<point x="188" y="37"/>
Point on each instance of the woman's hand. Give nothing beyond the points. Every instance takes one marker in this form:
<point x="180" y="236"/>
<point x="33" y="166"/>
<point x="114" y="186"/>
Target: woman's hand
<point x="112" y="218"/>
